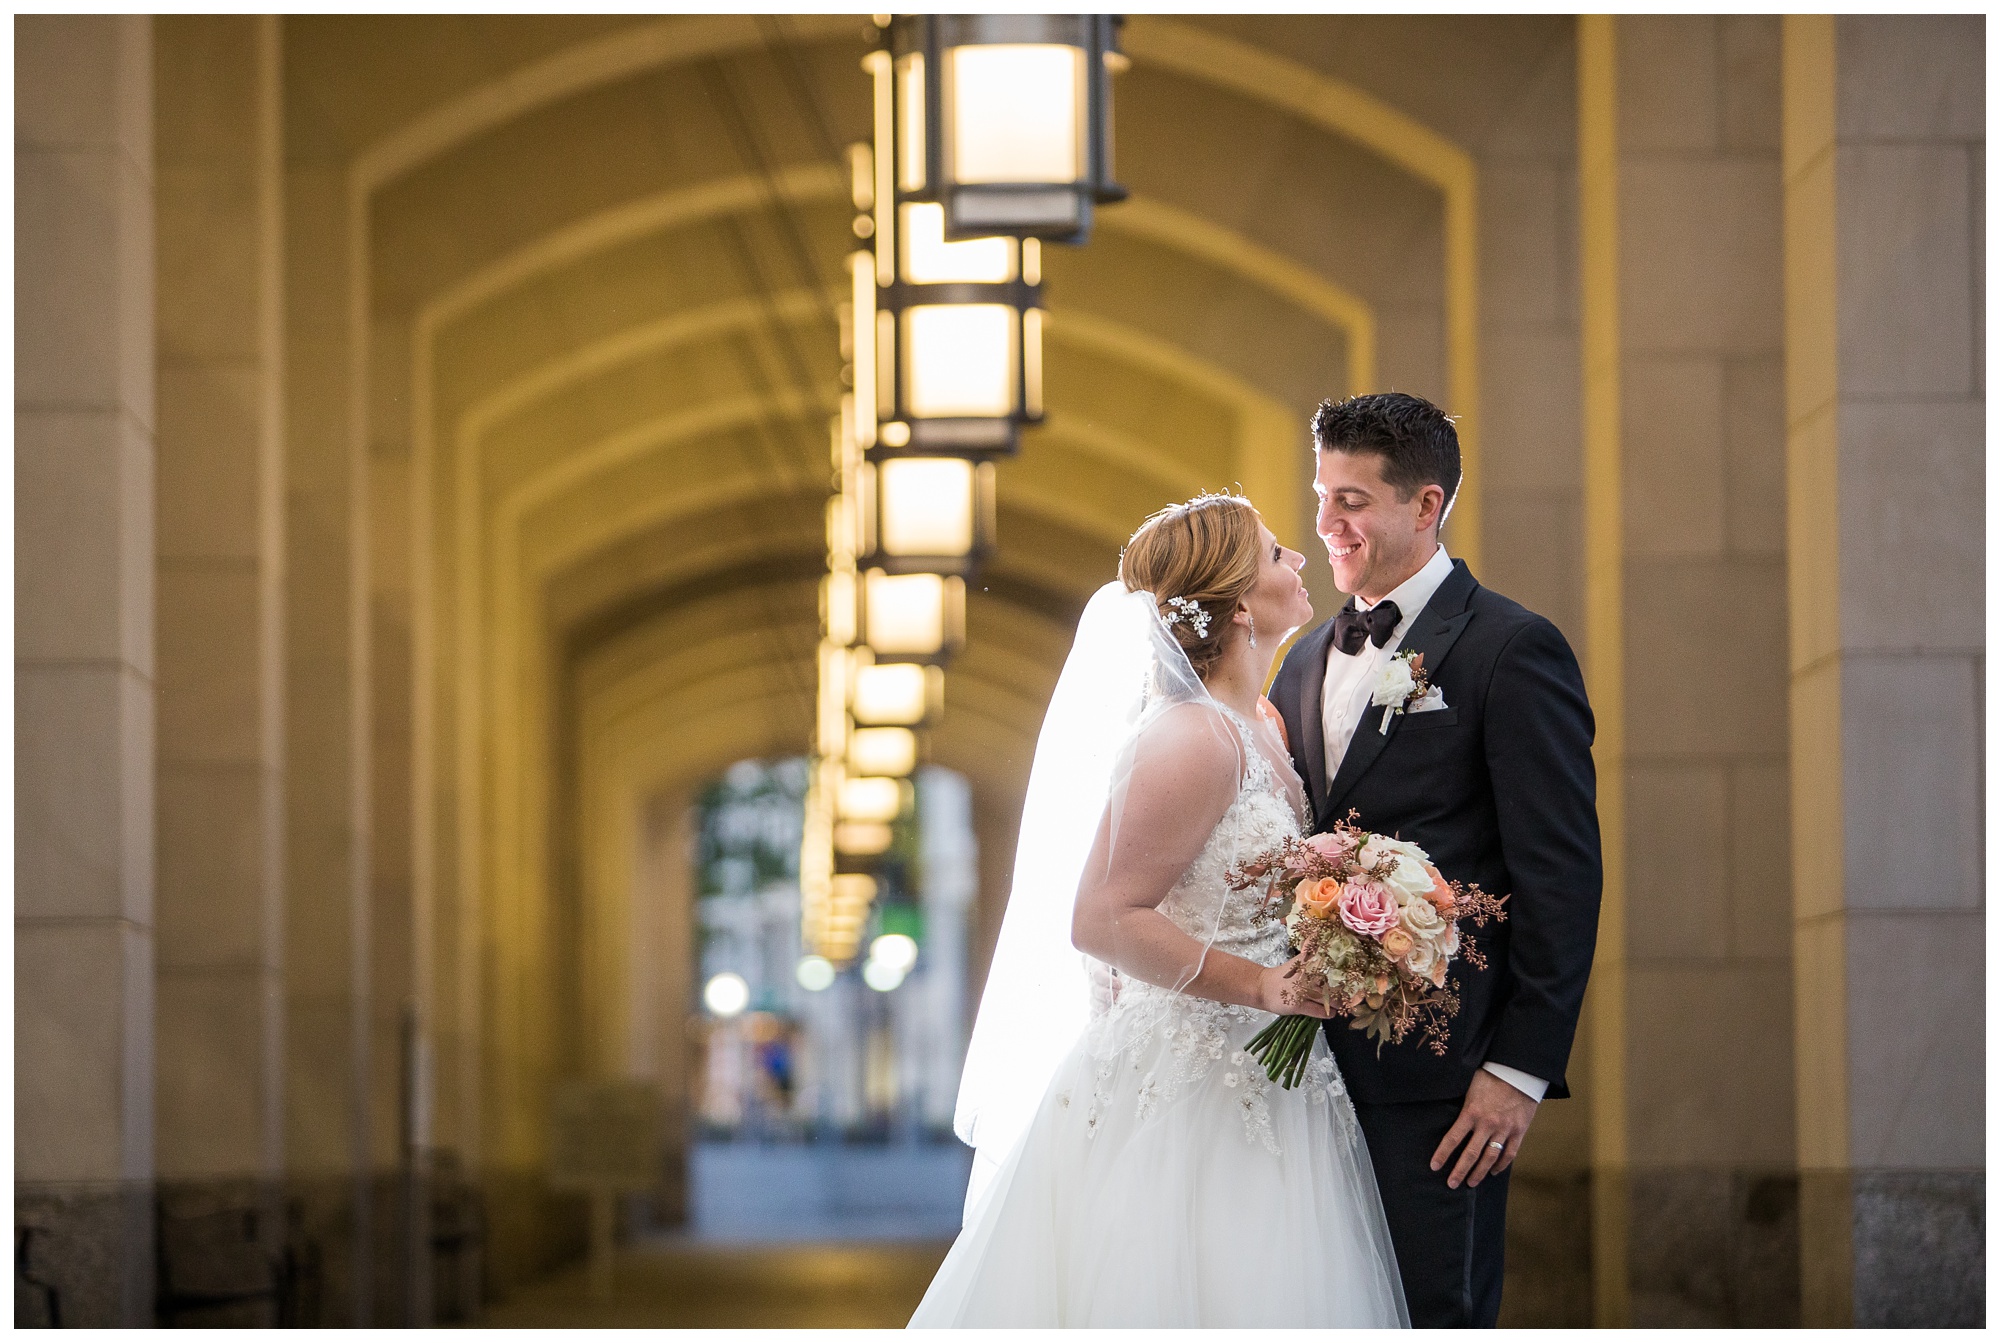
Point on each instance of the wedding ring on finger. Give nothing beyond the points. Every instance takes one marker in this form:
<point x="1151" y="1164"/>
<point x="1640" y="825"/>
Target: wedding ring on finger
<point x="1497" y="1143"/>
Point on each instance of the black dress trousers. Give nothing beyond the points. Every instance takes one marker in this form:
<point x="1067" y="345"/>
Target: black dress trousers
<point x="1450" y="1243"/>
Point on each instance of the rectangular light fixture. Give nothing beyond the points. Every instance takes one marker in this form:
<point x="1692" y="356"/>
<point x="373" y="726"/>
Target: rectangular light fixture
<point x="959" y="360"/>
<point x="863" y="839"/>
<point x="877" y="800"/>
<point x="1018" y="112"/>
<point x="884" y="751"/>
<point x="927" y="505"/>
<point x="842" y="533"/>
<point x="831" y="737"/>
<point x="902" y="694"/>
<point x="912" y="143"/>
<point x="838" y="608"/>
<point x="928" y="259"/>
<point x="913" y="617"/>
<point x="1004" y="119"/>
<point x="852" y="892"/>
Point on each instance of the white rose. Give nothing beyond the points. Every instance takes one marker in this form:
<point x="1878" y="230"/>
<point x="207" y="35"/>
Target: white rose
<point x="1423" y="921"/>
<point x="1402" y="848"/>
<point x="1409" y="879"/>
<point x="1396" y="683"/>
<point x="1421" y="959"/>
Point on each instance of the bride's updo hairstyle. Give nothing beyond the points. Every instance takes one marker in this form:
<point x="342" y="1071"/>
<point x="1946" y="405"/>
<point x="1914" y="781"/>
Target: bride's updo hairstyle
<point x="1203" y="551"/>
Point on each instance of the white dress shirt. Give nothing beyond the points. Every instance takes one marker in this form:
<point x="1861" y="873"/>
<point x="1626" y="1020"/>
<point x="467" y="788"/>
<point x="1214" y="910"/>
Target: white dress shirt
<point x="1350" y="683"/>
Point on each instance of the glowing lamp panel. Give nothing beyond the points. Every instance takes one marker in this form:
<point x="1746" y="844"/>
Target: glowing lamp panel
<point x="1017" y="113"/>
<point x="927" y="505"/>
<point x="892" y="693"/>
<point x="958" y="360"/>
<point x="906" y="613"/>
<point x="929" y="259"/>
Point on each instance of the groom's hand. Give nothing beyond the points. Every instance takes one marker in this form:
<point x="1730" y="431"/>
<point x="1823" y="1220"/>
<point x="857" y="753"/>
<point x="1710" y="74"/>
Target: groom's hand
<point x="1494" y="1113"/>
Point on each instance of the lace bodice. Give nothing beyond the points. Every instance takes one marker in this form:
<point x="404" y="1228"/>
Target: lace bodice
<point x="1264" y="812"/>
<point x="1163" y="1042"/>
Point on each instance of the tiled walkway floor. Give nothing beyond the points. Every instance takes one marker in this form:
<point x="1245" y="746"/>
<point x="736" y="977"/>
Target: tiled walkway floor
<point x="694" y="1285"/>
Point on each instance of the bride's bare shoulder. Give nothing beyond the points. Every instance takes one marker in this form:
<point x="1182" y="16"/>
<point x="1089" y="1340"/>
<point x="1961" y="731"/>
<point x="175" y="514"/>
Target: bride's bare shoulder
<point x="1192" y="737"/>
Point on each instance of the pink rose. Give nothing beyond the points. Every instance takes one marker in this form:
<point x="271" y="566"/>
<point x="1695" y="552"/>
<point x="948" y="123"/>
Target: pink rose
<point x="1368" y="907"/>
<point x="1335" y="848"/>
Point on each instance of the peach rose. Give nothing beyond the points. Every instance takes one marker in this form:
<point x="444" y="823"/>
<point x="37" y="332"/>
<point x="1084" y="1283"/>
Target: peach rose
<point x="1396" y="944"/>
<point x="1368" y="908"/>
<point x="1437" y="972"/>
<point x="1440" y="893"/>
<point x="1318" y="898"/>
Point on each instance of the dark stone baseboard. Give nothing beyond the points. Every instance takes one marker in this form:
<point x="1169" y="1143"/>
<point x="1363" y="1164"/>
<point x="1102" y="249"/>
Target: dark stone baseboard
<point x="93" y="1245"/>
<point x="1714" y="1248"/>
<point x="1919" y="1249"/>
<point x="219" y="1254"/>
<point x="532" y="1229"/>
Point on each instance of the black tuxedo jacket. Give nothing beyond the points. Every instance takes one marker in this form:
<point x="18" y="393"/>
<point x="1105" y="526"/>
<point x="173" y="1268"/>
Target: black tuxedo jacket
<point x="1499" y="788"/>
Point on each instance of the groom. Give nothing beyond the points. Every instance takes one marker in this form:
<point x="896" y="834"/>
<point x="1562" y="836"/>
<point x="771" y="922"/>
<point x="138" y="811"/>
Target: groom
<point x="1497" y="785"/>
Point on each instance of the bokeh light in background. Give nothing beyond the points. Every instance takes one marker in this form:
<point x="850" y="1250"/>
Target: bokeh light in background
<point x="815" y="973"/>
<point x="726" y="995"/>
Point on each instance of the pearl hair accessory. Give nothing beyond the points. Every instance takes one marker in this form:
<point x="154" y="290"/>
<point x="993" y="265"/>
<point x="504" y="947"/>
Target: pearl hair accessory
<point x="1188" y="609"/>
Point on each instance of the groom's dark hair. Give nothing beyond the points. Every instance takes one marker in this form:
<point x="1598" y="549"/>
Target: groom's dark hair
<point x="1415" y="440"/>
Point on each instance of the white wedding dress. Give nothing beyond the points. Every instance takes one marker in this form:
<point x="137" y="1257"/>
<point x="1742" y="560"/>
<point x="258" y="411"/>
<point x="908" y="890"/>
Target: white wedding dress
<point x="1165" y="1181"/>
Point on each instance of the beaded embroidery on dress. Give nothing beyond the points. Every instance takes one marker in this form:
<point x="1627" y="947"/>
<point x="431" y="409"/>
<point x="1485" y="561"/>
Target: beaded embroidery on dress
<point x="1164" y="1167"/>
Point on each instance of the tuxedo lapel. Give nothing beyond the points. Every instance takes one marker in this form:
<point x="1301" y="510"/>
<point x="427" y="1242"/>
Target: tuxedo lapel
<point x="1432" y="633"/>
<point x="1312" y="724"/>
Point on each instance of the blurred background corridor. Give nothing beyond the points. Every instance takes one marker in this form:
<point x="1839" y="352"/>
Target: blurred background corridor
<point x="427" y="598"/>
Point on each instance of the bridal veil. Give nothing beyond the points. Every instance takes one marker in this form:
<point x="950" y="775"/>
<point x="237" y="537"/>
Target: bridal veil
<point x="1125" y="670"/>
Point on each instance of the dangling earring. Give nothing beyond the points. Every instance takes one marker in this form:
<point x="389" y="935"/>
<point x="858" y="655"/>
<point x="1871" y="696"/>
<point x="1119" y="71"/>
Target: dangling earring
<point x="1253" y="629"/>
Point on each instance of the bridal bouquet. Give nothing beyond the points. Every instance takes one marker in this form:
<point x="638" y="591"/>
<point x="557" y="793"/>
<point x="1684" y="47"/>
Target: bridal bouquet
<point x="1377" y="928"/>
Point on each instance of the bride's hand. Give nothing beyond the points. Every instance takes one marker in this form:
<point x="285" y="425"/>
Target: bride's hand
<point x="1278" y="996"/>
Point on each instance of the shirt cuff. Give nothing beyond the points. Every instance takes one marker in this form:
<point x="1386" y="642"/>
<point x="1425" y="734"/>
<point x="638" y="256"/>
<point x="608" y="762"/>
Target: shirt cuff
<point x="1534" y="1088"/>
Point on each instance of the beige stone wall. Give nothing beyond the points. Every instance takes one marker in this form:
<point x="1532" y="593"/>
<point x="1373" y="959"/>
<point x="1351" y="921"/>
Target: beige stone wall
<point x="1708" y="1036"/>
<point x="84" y="437"/>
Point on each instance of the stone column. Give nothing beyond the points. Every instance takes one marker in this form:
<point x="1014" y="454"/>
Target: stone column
<point x="1709" y="1028"/>
<point x="220" y="1140"/>
<point x="1884" y="150"/>
<point x="1696" y="1203"/>
<point x="84" y="711"/>
<point x="330" y="1127"/>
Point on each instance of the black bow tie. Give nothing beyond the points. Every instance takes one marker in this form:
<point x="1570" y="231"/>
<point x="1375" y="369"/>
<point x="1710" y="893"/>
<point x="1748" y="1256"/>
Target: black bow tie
<point x="1354" y="627"/>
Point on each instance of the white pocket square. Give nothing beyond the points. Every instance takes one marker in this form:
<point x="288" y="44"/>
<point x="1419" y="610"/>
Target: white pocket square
<point x="1432" y="700"/>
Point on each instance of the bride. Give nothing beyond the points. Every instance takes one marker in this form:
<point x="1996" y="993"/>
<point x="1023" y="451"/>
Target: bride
<point x="1134" y="1165"/>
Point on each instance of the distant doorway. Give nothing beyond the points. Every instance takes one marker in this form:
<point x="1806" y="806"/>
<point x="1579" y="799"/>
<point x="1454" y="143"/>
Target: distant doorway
<point x="822" y="1096"/>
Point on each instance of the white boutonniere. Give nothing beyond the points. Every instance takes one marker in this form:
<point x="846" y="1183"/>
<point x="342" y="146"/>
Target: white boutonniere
<point x="1403" y="687"/>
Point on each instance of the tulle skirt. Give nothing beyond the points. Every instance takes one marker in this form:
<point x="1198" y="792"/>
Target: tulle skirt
<point x="1165" y="1181"/>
